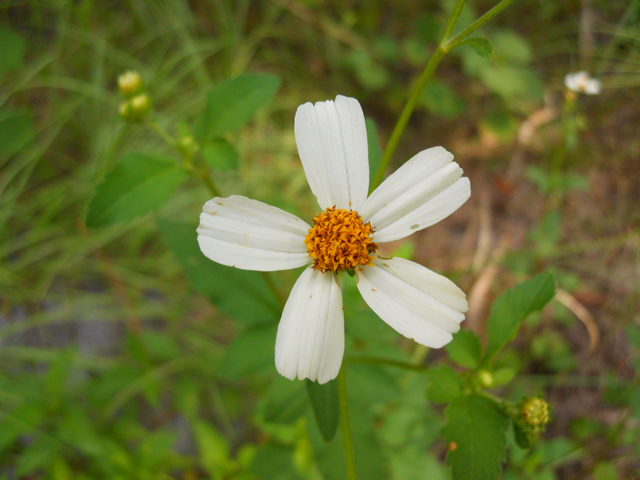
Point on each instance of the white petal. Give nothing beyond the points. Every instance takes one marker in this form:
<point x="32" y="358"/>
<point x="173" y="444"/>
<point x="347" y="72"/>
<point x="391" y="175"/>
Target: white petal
<point x="571" y="81"/>
<point x="593" y="87"/>
<point x="332" y="143"/>
<point x="421" y="192"/>
<point x="310" y="339"/>
<point x="251" y="235"/>
<point x="413" y="300"/>
<point x="582" y="82"/>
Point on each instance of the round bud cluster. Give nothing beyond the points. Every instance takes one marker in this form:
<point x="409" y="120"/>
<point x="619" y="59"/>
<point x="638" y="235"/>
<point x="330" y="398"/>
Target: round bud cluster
<point x="138" y="103"/>
<point x="530" y="419"/>
<point x="535" y="412"/>
<point x="130" y="83"/>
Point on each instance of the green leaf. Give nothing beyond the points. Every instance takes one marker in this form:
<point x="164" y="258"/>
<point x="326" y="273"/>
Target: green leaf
<point x="375" y="152"/>
<point x="522" y="439"/>
<point x="476" y="432"/>
<point x="370" y="461"/>
<point x="274" y="462"/>
<point x="326" y="409"/>
<point x="220" y="155"/>
<point x="13" y="48"/>
<point x="251" y="352"/>
<point x="386" y="47"/>
<point x="512" y="82"/>
<point x="512" y="307"/>
<point x="511" y="47"/>
<point x="444" y="386"/>
<point x="213" y="447"/>
<point x="465" y="349"/>
<point x="503" y="375"/>
<point x="138" y="184"/>
<point x="285" y="401"/>
<point x="501" y="124"/>
<point x="232" y="102"/>
<point x="374" y="385"/>
<point x="369" y="73"/>
<point x="440" y="99"/>
<point x="415" y="52"/>
<point x="160" y="346"/>
<point x="481" y="46"/>
<point x="368" y="386"/>
<point x="16" y="130"/>
<point x="37" y="456"/>
<point x="241" y="294"/>
<point x="77" y="428"/>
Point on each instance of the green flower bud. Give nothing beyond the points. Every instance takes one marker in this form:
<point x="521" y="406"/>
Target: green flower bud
<point x="535" y="412"/>
<point x="125" y="110"/>
<point x="188" y="145"/>
<point x="141" y="105"/>
<point x="485" y="378"/>
<point x="136" y="108"/>
<point x="130" y="83"/>
<point x="530" y="417"/>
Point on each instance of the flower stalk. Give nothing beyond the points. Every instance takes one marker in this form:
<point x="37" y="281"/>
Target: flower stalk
<point x="445" y="46"/>
<point x="458" y="39"/>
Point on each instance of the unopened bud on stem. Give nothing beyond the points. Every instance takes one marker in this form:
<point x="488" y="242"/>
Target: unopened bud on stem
<point x="136" y="108"/>
<point x="535" y="412"/>
<point x="130" y="83"/>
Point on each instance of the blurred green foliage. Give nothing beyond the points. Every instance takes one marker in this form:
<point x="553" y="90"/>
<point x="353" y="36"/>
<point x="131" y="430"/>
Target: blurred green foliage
<point x="170" y="386"/>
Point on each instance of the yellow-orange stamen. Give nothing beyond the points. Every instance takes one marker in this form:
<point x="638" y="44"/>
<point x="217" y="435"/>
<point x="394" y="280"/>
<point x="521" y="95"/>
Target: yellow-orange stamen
<point x="340" y="240"/>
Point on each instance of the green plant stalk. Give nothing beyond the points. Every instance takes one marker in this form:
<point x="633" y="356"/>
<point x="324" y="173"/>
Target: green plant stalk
<point x="386" y="361"/>
<point x="40" y="355"/>
<point x="453" y="20"/>
<point x="155" y="126"/>
<point x="282" y="301"/>
<point x="443" y="48"/>
<point x="187" y="160"/>
<point x="458" y="39"/>
<point x="507" y="407"/>
<point x="567" y="119"/>
<point x="157" y="374"/>
<point x="203" y="175"/>
<point x="408" y="109"/>
<point x="349" y="456"/>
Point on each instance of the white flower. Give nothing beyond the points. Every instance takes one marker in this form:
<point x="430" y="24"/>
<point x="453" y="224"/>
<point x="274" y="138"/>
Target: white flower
<point x="581" y="82"/>
<point x="248" y="234"/>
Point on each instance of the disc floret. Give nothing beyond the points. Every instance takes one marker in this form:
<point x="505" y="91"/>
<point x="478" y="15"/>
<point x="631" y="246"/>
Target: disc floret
<point x="340" y="240"/>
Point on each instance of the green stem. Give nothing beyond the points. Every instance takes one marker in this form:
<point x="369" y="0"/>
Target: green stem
<point x="187" y="159"/>
<point x="203" y="174"/>
<point x="386" y="361"/>
<point x="274" y="289"/>
<point x="453" y="20"/>
<point x="504" y="405"/>
<point x="405" y="115"/>
<point x="410" y="106"/>
<point x="162" y="133"/>
<point x="206" y="179"/>
<point x="458" y="39"/>
<point x="349" y="456"/>
<point x="444" y="47"/>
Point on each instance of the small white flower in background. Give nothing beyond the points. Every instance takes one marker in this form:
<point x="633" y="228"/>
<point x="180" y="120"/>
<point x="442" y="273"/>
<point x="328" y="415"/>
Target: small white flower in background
<point x="581" y="82"/>
<point x="418" y="303"/>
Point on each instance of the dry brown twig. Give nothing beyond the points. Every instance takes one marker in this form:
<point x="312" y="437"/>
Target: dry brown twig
<point x="580" y="311"/>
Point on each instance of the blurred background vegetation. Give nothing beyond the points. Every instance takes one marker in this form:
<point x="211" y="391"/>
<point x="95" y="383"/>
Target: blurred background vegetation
<point x="112" y="366"/>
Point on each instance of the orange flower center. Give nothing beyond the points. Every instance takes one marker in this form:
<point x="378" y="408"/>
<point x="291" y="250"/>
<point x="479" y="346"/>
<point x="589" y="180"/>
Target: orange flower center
<point x="340" y="240"/>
